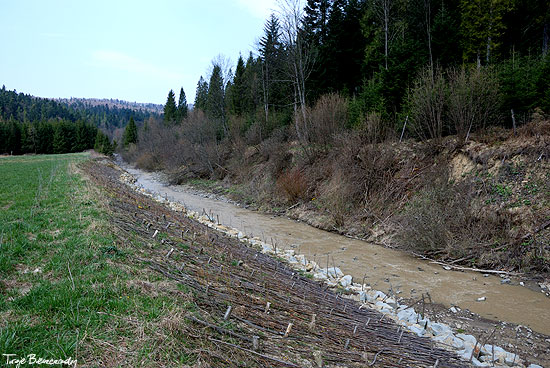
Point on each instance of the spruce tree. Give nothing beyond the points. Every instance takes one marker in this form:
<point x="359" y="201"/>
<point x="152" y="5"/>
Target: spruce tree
<point x="201" y="95"/>
<point x="215" y="97"/>
<point x="182" y="106"/>
<point x="237" y="89"/>
<point x="170" y="109"/>
<point x="130" y="133"/>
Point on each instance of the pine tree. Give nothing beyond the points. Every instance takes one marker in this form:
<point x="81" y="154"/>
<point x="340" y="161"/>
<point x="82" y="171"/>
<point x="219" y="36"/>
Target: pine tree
<point x="236" y="94"/>
<point x="170" y="109"/>
<point x="316" y="19"/>
<point x="215" y="98"/>
<point x="60" y="142"/>
<point x="130" y="133"/>
<point x="201" y="95"/>
<point x="271" y="53"/>
<point x="102" y="144"/>
<point x="13" y="145"/>
<point x="182" y="106"/>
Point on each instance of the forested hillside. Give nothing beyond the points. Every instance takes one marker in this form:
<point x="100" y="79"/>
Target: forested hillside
<point x="358" y="115"/>
<point x="111" y="114"/>
<point x="30" y="124"/>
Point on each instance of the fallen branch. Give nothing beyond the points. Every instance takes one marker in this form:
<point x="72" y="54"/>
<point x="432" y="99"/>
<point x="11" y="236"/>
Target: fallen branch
<point x="460" y="268"/>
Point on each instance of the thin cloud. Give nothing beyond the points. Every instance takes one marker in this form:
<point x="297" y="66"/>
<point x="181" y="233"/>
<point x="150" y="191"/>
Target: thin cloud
<point x="121" y="61"/>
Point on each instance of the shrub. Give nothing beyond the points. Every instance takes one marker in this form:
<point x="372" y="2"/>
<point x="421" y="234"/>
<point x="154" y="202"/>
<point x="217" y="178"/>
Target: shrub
<point x="293" y="184"/>
<point x="444" y="219"/>
<point x="474" y="99"/>
<point x="427" y="104"/>
<point x="323" y="121"/>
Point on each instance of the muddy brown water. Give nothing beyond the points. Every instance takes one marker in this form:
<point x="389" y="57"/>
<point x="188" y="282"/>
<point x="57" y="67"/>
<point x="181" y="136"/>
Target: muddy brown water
<point x="380" y="267"/>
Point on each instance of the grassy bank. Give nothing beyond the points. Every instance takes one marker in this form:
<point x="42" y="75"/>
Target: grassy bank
<point x="68" y="287"/>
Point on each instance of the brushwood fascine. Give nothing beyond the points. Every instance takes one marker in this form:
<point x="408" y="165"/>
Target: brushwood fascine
<point x="463" y="345"/>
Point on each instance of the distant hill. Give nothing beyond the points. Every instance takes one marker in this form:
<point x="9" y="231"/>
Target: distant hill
<point x="26" y="108"/>
<point x="80" y="103"/>
<point x="108" y="114"/>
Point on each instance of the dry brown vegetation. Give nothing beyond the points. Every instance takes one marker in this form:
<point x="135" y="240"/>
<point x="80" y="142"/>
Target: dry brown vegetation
<point x="478" y="198"/>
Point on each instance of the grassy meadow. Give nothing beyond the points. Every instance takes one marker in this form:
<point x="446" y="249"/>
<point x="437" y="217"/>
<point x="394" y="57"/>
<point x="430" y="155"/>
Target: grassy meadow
<point x="68" y="287"/>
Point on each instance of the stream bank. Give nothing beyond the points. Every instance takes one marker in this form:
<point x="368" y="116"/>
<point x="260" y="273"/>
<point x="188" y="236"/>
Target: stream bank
<point x="455" y="295"/>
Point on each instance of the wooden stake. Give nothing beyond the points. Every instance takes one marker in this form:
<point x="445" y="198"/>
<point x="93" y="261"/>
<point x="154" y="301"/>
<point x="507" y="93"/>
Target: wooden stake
<point x="404" y="126"/>
<point x="227" y="313"/>
<point x="170" y="253"/>
<point x="318" y="359"/>
<point x="513" y="121"/>
<point x="155" y="234"/>
<point x="312" y="323"/>
<point x="289" y="327"/>
<point x="255" y="342"/>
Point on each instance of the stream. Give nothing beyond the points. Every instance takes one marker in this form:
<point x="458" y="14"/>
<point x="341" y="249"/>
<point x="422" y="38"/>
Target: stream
<point x="381" y="268"/>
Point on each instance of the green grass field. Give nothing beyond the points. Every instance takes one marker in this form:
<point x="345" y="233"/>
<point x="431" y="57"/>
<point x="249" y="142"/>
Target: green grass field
<point x="68" y="288"/>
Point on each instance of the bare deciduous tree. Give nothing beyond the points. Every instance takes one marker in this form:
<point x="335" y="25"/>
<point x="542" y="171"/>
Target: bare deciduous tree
<point x="301" y="55"/>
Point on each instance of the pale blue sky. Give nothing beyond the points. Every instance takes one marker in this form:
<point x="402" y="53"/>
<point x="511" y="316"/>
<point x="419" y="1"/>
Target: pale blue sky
<point x="130" y="50"/>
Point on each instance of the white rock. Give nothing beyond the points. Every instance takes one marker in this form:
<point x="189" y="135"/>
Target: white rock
<point x="488" y="349"/>
<point x="450" y="340"/>
<point x="468" y="339"/>
<point x="380" y="305"/>
<point x="482" y="299"/>
<point x="438" y="328"/>
<point x="417" y="329"/>
<point x="320" y="276"/>
<point x="266" y="248"/>
<point x="332" y="272"/>
<point x="346" y="281"/>
<point x="534" y="366"/>
<point x="292" y="259"/>
<point x="511" y="359"/>
<point x="407" y="315"/>
<point x="453" y="309"/>
<point x="477" y="363"/>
